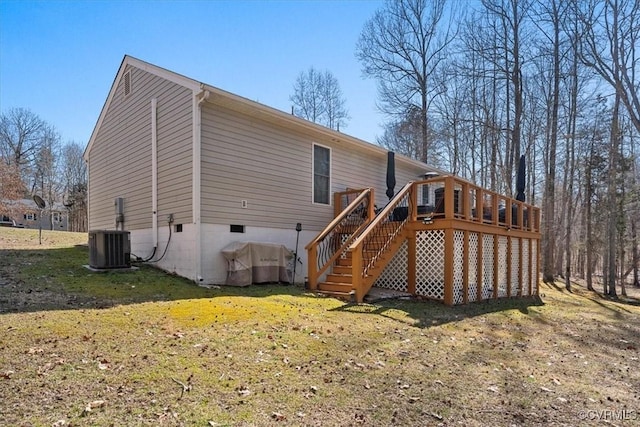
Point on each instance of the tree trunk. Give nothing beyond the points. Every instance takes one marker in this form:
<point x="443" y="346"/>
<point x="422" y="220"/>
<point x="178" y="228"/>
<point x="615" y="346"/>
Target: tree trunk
<point x="550" y="182"/>
<point x="612" y="200"/>
<point x="635" y="256"/>
<point x="589" y="231"/>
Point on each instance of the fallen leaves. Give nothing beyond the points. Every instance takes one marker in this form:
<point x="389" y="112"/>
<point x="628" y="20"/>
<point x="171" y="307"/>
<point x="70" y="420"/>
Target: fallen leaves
<point x="43" y="370"/>
<point x="278" y="416"/>
<point x="91" y="406"/>
<point x="186" y="387"/>
<point x="244" y="391"/>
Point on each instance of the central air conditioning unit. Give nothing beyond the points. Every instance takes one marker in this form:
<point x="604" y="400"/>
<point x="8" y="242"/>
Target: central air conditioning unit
<point x="109" y="249"/>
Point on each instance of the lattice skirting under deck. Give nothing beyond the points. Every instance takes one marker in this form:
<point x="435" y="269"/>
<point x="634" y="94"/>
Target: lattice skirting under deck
<point x="394" y="275"/>
<point x="515" y="258"/>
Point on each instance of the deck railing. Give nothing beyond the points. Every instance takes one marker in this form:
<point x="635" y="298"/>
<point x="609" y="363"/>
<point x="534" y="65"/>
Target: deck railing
<point x="457" y="199"/>
<point x="333" y="242"/>
<point x="377" y="239"/>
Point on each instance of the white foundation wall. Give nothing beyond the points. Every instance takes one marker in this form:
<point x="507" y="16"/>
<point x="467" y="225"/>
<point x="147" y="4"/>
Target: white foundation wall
<point x="181" y="253"/>
<point x="217" y="237"/>
<point x="180" y="257"/>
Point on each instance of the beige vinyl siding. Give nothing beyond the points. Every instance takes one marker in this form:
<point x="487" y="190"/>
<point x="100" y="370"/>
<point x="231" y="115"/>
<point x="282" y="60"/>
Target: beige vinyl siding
<point x="120" y="158"/>
<point x="271" y="168"/>
<point x="175" y="144"/>
<point x="364" y="170"/>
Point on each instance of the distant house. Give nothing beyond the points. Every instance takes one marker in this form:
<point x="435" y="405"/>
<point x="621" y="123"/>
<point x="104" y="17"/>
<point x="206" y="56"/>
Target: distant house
<point x="188" y="169"/>
<point x="26" y="214"/>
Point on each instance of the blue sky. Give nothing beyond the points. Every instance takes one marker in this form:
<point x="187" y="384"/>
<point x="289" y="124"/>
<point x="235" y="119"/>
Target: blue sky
<point x="59" y="58"/>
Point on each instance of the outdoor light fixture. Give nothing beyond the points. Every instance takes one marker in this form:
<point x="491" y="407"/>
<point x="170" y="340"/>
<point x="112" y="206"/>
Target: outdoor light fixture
<point x="295" y="261"/>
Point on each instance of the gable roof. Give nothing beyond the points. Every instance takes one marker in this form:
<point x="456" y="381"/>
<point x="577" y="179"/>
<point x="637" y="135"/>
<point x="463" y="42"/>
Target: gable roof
<point x="215" y="95"/>
<point x="145" y="66"/>
<point x="29" y="204"/>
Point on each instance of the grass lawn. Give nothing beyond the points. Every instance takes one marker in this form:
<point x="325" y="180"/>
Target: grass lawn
<point x="145" y="349"/>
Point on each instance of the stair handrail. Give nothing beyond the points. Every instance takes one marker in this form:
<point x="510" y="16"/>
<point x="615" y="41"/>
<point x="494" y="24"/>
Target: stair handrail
<point x="315" y="267"/>
<point x="361" y="264"/>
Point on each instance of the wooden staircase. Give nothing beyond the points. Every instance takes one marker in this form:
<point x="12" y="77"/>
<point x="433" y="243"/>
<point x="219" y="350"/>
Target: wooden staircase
<point x="339" y="283"/>
<point x="354" y="272"/>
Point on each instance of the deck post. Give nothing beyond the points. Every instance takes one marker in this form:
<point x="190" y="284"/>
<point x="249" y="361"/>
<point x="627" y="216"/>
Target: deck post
<point x="413" y="203"/>
<point x="465" y="264"/>
<point x="312" y="269"/>
<point x="520" y="217"/>
<point x="496" y="263"/>
<point x="479" y="205"/>
<point x="521" y="269"/>
<point x="411" y="261"/>
<point x="480" y="273"/>
<point x="495" y="212"/>
<point x="466" y="206"/>
<point x="449" y="199"/>
<point x="337" y="204"/>
<point x="356" y="272"/>
<point x="448" y="264"/>
<point x="509" y="243"/>
<point x="411" y="240"/>
<point x="370" y="207"/>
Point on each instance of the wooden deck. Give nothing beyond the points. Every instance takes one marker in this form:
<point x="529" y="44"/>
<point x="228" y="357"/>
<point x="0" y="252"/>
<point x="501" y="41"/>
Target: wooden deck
<point x="468" y="244"/>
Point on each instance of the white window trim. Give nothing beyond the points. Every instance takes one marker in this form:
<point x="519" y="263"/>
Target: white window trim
<point x="313" y="180"/>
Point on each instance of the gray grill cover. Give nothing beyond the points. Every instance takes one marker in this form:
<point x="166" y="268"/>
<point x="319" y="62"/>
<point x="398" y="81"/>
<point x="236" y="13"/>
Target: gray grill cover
<point x="251" y="262"/>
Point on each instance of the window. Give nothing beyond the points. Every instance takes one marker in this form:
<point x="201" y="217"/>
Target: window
<point x="56" y="217"/>
<point x="30" y="216"/>
<point x="321" y="174"/>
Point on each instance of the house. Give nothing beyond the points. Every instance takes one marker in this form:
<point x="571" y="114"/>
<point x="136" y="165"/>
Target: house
<point x="26" y="214"/>
<point x="189" y="169"/>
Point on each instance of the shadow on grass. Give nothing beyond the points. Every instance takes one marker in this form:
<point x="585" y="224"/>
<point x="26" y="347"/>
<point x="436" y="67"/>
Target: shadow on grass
<point x="56" y="279"/>
<point x="427" y="313"/>
<point x="580" y="290"/>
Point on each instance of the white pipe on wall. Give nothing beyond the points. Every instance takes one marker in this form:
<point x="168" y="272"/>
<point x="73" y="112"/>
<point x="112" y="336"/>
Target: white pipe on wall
<point x="154" y="170"/>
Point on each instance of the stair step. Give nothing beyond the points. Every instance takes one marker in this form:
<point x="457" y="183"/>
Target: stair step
<point x="341" y="269"/>
<point x="344" y="261"/>
<point x="335" y="287"/>
<point x="339" y="278"/>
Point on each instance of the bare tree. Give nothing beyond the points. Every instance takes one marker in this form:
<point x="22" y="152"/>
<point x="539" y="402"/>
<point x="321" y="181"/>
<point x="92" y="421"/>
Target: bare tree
<point x="402" y="46"/>
<point x="11" y="188"/>
<point x="317" y="97"/>
<point x="548" y="19"/>
<point x="403" y="136"/>
<point x="74" y="183"/>
<point x="21" y="133"/>
<point x="45" y="180"/>
<point x="612" y="201"/>
<point x="611" y="37"/>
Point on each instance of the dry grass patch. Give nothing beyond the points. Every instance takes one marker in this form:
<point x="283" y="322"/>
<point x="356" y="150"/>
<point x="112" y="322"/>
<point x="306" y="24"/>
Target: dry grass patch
<point x="166" y="352"/>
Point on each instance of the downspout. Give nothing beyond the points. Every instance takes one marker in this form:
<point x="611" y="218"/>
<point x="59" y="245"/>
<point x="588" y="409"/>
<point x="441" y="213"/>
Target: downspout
<point x="154" y="172"/>
<point x="88" y="206"/>
<point x="198" y="99"/>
